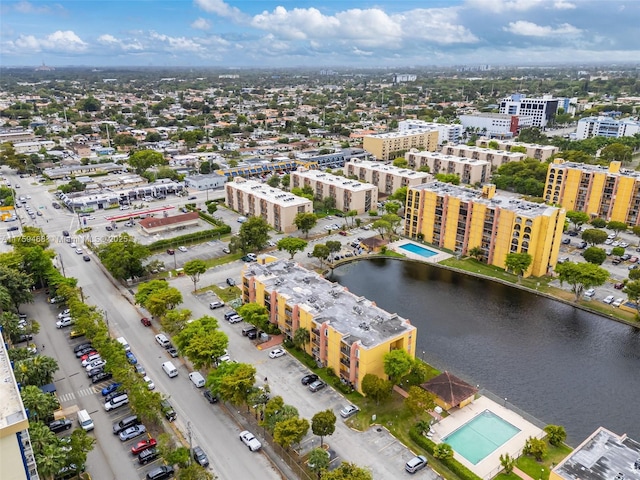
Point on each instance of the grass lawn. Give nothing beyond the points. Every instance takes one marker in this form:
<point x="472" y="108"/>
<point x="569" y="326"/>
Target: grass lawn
<point x="536" y="469"/>
<point x="225" y="294"/>
<point x="506" y="476"/>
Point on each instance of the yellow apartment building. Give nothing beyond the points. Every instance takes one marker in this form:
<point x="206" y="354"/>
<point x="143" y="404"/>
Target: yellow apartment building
<point x="459" y="219"/>
<point x="609" y="192"/>
<point x="348" y="334"/>
<point x="387" y="146"/>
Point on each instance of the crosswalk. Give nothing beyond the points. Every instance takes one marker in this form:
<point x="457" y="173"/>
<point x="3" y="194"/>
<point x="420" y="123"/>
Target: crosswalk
<point x="85" y="392"/>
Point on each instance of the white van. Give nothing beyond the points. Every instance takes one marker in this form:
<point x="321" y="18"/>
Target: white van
<point x="197" y="379"/>
<point x="84" y="420"/>
<point x="123" y="341"/>
<point x="170" y="369"/>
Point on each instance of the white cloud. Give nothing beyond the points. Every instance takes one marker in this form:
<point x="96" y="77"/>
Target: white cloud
<point x="530" y="29"/>
<point x="438" y="25"/>
<point x="176" y="44"/>
<point x="127" y="45"/>
<point x="57" y="42"/>
<point x="220" y="8"/>
<point x="563" y="5"/>
<point x="201" y="24"/>
<point x="499" y="6"/>
<point x="27" y="7"/>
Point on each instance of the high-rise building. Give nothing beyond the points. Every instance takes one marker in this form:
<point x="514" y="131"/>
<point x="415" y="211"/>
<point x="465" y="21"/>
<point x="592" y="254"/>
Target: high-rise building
<point x="460" y="219"/>
<point x="348" y="334"/>
<point x="387" y="146"/>
<point x="540" y="109"/>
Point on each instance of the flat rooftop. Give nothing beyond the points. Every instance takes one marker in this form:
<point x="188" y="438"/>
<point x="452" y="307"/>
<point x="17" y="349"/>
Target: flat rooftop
<point x="624" y="172"/>
<point x="406" y="133"/>
<point x="450" y="158"/>
<point x="331" y="179"/>
<point x="11" y="407"/>
<point x="602" y="456"/>
<point x="473" y="148"/>
<point x="388" y="168"/>
<point x="265" y="192"/>
<point x="358" y="319"/>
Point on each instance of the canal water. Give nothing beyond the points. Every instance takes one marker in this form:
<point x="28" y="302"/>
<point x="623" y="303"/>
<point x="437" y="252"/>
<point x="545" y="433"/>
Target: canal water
<point x="560" y="364"/>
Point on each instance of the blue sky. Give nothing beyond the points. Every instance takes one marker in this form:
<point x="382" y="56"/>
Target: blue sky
<point x="330" y="33"/>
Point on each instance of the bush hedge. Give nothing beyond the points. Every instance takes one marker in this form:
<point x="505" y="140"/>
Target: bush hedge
<point x="190" y="237"/>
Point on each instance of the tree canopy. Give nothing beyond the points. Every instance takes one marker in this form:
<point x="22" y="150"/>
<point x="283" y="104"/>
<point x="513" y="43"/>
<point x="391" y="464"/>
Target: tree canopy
<point x="305" y="221"/>
<point x="581" y="276"/>
<point x="123" y="257"/>
<point x="142" y="160"/>
<point x="291" y="245"/>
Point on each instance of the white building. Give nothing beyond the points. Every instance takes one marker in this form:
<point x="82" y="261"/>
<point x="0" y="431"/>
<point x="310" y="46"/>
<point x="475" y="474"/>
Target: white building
<point x="501" y="125"/>
<point x="606" y="127"/>
<point x="205" y="182"/>
<point x="33" y="147"/>
<point x="386" y="177"/>
<point x="541" y="109"/>
<point x="532" y="150"/>
<point x="495" y="157"/>
<point x="447" y="132"/>
<point x="469" y="170"/>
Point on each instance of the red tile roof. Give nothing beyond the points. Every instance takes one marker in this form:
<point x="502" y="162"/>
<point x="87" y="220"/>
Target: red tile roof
<point x="450" y="388"/>
<point x="155" y="222"/>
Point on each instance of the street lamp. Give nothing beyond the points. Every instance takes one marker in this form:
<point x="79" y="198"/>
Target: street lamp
<point x="505" y="401"/>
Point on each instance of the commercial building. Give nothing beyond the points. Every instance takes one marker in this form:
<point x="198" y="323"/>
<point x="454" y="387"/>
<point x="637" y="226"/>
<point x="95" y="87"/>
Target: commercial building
<point x="251" y="168"/>
<point x="495" y="157"/>
<point x="205" y="182"/>
<point x="540" y="109"/>
<point x="56" y="173"/>
<point x="277" y="207"/>
<point x="386" y="177"/>
<point x="387" y="146"/>
<point x="18" y="461"/>
<point x="609" y="192"/>
<point x="348" y="194"/>
<point x="153" y="225"/>
<point x="460" y="219"/>
<point x="602" y="456"/>
<point x="532" y="150"/>
<point x="496" y="125"/>
<point x="447" y="132"/>
<point x="606" y="127"/>
<point x="469" y="170"/>
<point x="348" y="334"/>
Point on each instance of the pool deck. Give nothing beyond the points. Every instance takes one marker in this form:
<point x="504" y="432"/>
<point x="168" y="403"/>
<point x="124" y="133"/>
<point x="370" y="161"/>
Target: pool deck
<point x="438" y="257"/>
<point x="490" y="465"/>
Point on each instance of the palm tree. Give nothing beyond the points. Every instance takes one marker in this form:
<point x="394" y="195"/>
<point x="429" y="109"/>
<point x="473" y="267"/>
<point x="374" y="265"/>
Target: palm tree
<point x="40" y="436"/>
<point x="40" y="405"/>
<point x="50" y="460"/>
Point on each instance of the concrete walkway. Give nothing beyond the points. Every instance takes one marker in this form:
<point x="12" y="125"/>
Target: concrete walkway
<point x="521" y="474"/>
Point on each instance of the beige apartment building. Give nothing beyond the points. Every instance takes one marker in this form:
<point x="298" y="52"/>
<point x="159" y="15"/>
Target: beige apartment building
<point x="495" y="157"/>
<point x="387" y="146"/>
<point x="539" y="152"/>
<point x="348" y="194"/>
<point x="386" y="178"/>
<point x="255" y="199"/>
<point x="469" y="170"/>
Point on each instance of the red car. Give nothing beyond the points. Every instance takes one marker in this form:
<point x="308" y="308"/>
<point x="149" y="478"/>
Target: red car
<point x="143" y="445"/>
<point x="343" y="233"/>
<point x="618" y="286"/>
<point x="145" y="321"/>
<point x="84" y="357"/>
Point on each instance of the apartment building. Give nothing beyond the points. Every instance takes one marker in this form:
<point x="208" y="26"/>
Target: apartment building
<point x="348" y="194"/>
<point x="18" y="461"/>
<point x="447" y="132"/>
<point x="469" y="170"/>
<point x="277" y="207"/>
<point x="387" y="146"/>
<point x="609" y="192"/>
<point x="498" y="125"/>
<point x="34" y="146"/>
<point x="459" y="219"/>
<point x="495" y="157"/>
<point x="387" y="178"/>
<point x="606" y="127"/>
<point x="542" y="110"/>
<point x="348" y="334"/>
<point x="330" y="160"/>
<point x="539" y="152"/>
<point x="16" y="135"/>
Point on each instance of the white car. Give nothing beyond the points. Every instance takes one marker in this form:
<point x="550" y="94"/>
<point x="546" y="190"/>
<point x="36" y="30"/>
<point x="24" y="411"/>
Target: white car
<point x="95" y="364"/>
<point x="617" y="302"/>
<point x="349" y="410"/>
<point x="590" y="293"/>
<point x="65" y="313"/>
<point x="73" y="245"/>
<point x="64" y="322"/>
<point x="608" y="299"/>
<point x="149" y="382"/>
<point x="271" y="243"/>
<point x="624" y="244"/>
<point x="79" y="251"/>
<point x="278" y="352"/>
<point x="250" y="440"/>
<point x="182" y="249"/>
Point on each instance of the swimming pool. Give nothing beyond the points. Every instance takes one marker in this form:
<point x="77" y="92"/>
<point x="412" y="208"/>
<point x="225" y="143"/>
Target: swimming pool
<point x="418" y="250"/>
<point x="480" y="436"/>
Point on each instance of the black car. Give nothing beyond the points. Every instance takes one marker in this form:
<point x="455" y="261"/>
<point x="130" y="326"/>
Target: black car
<point x="148" y="455"/>
<point x="160" y="473"/>
<point x="60" y="425"/>
<point x="211" y="398"/>
<point x="307" y="379"/>
<point x="82" y="346"/>
<point x="231" y="282"/>
<point x="95" y="371"/>
<point x="101" y="377"/>
<point x="23" y="337"/>
<point x="200" y="457"/>
<point x="566" y="241"/>
<point x="84" y="351"/>
<point x="252" y="335"/>
<point x="169" y="413"/>
<point x="173" y="351"/>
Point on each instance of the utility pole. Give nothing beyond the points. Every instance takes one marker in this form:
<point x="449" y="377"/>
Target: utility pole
<point x="189" y="434"/>
<point x="62" y="265"/>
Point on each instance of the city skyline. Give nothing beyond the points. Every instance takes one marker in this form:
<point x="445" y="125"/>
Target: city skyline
<point x="301" y="33"/>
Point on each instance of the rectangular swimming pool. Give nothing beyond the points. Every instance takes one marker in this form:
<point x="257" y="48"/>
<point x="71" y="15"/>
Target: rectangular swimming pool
<point x="480" y="436"/>
<point x="418" y="250"/>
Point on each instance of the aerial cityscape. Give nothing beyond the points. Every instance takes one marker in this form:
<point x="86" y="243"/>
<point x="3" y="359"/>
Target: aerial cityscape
<point x="359" y="241"/>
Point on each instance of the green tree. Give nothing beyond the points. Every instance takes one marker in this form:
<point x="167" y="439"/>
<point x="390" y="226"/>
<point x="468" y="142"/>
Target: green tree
<point x="195" y="268"/>
<point x="89" y="104"/>
<point x="146" y="289"/>
<point x="581" y="276"/>
<point x="301" y="337"/>
<point x="376" y="388"/>
<point x="40" y="405"/>
<point x="518" y="263"/>
<point x="400" y="195"/>
<point x="634" y="274"/>
<point x="17" y="284"/>
<point x="382" y="227"/>
<point x="476" y="252"/>
<point x="318" y="461"/>
<point x="50" y="460"/>
<point x="323" y="424"/>
<point x="532" y="135"/>
<point x="81" y="444"/>
<point x="632" y="289"/>
<point x="394" y="222"/>
<point x="276" y="411"/>
<point x="321" y="252"/>
<point x="305" y="221"/>
<point x="274" y="181"/>
<point x="617" y="227"/>
<point x="162" y="301"/>
<point x="443" y="451"/>
<point x="400" y="162"/>
<point x="397" y="364"/>
<point x="232" y="381"/>
<point x="254" y="233"/>
<point x="507" y="462"/>
<point x="285" y="181"/>
<point x="291" y="245"/>
<point x="36" y="371"/>
<point x="617" y="152"/>
<point x="636" y="230"/>
<point x="448" y="178"/>
<point x="142" y="160"/>
<point x="348" y="471"/>
<point x="535" y="447"/>
<point x="617" y="251"/>
<point x="392" y="207"/>
<point x="594" y="236"/>
<point x="175" y="320"/>
<point x="577" y="218"/>
<point x="334" y="246"/>
<point x="419" y="401"/>
<point x="194" y="472"/>
<point x="123" y="257"/>
<point x="290" y="431"/>
<point x="556" y="434"/>
<point x="255" y="314"/>
<point x="595" y="255"/>
<point x="598" y="222"/>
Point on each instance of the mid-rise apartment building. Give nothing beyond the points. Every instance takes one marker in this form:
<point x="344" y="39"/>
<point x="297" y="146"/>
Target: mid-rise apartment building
<point x="16" y="135"/>
<point x="606" y="127"/>
<point x="447" y="132"/>
<point x="459" y="219"/>
<point x="386" y="177"/>
<point x="348" y="334"/>
<point x="468" y="169"/>
<point x="495" y="157"/>
<point x="609" y="192"/>
<point x="539" y="152"/>
<point x="499" y="125"/>
<point x="387" y="146"/>
<point x="348" y="194"/>
<point x="542" y="110"/>
<point x="18" y="461"/>
<point x="255" y="199"/>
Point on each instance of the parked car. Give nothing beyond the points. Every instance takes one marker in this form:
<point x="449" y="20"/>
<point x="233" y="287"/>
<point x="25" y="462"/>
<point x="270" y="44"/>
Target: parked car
<point x="250" y="440"/>
<point x="608" y="299"/>
<point x="160" y="473"/>
<point x="140" y="369"/>
<point x="310" y="378"/>
<point x="317" y="385"/>
<point x="65" y="322"/>
<point x="86" y="258"/>
<point x="110" y="389"/>
<point x="278" y="352"/>
<point x="86" y="348"/>
<point x="182" y="248"/>
<point x="143" y="445"/>
<point x="169" y="413"/>
<point x="590" y="293"/>
<point x="415" y="464"/>
<point x="618" y="286"/>
<point x="145" y="321"/>
<point x="131" y="358"/>
<point x="211" y="398"/>
<point x="149" y="382"/>
<point x="59" y="425"/>
<point x="200" y="457"/>
<point x="171" y="251"/>
<point x="231" y="282"/>
<point x="617" y="302"/>
<point x="217" y="304"/>
<point x="132" y="432"/>
<point x="101" y="377"/>
<point x="566" y="241"/>
<point x="173" y="351"/>
<point x="349" y="410"/>
<point x="226" y="250"/>
<point x="148" y="455"/>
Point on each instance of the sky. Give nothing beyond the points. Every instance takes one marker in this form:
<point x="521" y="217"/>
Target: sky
<point x="318" y="34"/>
